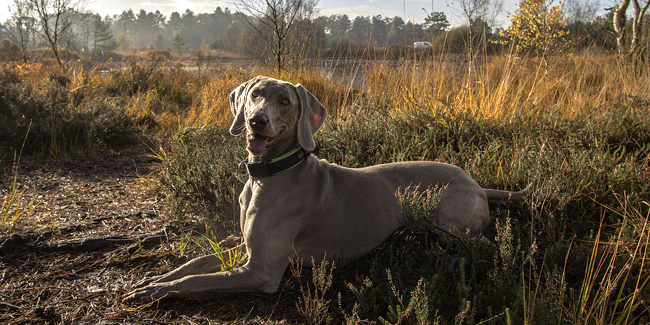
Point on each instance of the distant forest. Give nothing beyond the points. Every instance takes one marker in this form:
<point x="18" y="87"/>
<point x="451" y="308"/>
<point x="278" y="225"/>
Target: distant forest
<point x="223" y="29"/>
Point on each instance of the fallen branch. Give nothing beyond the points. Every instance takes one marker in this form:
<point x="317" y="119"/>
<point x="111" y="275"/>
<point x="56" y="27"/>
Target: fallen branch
<point x="86" y="244"/>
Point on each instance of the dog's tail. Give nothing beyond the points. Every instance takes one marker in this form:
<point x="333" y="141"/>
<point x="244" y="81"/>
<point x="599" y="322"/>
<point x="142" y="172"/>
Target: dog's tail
<point x="516" y="196"/>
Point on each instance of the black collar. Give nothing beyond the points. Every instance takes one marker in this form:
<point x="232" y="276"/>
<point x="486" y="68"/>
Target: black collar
<point x="277" y="165"/>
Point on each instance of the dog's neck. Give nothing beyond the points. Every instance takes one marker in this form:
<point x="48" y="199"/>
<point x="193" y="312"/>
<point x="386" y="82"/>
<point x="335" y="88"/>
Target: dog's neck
<point x="278" y="165"/>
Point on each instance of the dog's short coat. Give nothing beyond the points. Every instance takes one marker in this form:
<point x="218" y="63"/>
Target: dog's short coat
<point x="314" y="209"/>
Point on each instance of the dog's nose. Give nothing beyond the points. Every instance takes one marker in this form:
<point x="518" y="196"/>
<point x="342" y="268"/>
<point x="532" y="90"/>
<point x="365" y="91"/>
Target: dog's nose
<point x="258" y="122"/>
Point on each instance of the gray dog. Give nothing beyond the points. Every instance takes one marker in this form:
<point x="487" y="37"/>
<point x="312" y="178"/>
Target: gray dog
<point x="297" y="206"/>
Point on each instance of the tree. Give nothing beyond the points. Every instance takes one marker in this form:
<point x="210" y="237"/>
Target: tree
<point x="178" y="42"/>
<point x="360" y="31"/>
<point x="537" y="26"/>
<point x="634" y="49"/>
<point x="273" y="20"/>
<point x="479" y="15"/>
<point x="581" y="10"/>
<point x="215" y="26"/>
<point x="436" y="23"/>
<point x="148" y="24"/>
<point x="601" y="32"/>
<point x="4" y="32"/>
<point x="21" y="25"/>
<point x="413" y="32"/>
<point x="102" y="35"/>
<point x="125" y="28"/>
<point x="188" y="30"/>
<point x="338" y="25"/>
<point x="305" y="41"/>
<point x="85" y="26"/>
<point x="397" y="31"/>
<point x="379" y="30"/>
<point x="55" y="19"/>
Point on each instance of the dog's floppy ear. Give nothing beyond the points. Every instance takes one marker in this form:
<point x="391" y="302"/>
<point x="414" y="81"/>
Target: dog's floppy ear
<point x="312" y="116"/>
<point x="237" y="103"/>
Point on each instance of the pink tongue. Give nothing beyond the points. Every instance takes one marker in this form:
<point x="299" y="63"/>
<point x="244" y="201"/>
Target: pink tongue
<point x="257" y="144"/>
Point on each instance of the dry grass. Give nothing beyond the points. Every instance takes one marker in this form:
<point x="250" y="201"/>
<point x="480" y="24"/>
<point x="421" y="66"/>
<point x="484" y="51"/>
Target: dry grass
<point x="505" y="86"/>
<point x="499" y="87"/>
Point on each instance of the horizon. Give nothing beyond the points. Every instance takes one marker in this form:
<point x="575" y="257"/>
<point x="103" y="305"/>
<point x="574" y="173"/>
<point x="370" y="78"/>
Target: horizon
<point x="413" y="10"/>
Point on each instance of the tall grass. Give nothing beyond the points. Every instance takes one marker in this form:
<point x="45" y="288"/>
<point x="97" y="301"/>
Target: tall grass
<point x="506" y="86"/>
<point x="14" y="205"/>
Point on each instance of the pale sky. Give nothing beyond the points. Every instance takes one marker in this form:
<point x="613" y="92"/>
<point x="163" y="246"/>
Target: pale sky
<point x="408" y="9"/>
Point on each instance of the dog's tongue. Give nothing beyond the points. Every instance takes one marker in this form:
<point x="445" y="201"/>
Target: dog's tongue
<point x="257" y="144"/>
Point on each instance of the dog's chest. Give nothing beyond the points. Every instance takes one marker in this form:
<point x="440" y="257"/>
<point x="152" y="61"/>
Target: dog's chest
<point x="265" y="205"/>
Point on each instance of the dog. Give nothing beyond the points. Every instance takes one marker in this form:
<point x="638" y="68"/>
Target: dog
<point x="297" y="206"/>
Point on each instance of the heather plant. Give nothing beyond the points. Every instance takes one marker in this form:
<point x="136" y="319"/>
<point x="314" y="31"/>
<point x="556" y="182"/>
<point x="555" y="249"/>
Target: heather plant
<point x="313" y="304"/>
<point x="198" y="169"/>
<point x="59" y="120"/>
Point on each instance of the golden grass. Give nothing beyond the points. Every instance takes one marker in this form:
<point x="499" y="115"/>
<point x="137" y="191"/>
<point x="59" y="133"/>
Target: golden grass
<point x="505" y="86"/>
<point x="499" y="87"/>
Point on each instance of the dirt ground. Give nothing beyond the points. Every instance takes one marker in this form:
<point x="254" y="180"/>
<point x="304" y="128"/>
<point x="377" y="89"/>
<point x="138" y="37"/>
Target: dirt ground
<point x="96" y="230"/>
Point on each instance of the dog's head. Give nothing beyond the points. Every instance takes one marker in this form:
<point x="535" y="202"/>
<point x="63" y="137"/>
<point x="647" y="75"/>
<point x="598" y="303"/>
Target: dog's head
<point x="275" y="113"/>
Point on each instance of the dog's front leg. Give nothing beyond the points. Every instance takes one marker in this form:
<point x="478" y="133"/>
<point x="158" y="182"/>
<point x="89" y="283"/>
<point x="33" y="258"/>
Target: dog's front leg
<point x="256" y="276"/>
<point x="199" y="265"/>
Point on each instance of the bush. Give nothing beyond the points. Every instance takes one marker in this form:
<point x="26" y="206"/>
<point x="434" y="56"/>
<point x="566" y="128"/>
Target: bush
<point x="198" y="170"/>
<point x="10" y="51"/>
<point x="104" y="56"/>
<point x="47" y="116"/>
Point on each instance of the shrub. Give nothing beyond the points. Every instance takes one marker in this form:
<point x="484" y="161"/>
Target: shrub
<point x="198" y="170"/>
<point x="55" y="126"/>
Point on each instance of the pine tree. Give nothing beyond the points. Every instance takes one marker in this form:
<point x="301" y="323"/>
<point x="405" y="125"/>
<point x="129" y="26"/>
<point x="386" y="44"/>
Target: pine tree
<point x="178" y="42"/>
<point x="436" y="23"/>
<point x="102" y="35"/>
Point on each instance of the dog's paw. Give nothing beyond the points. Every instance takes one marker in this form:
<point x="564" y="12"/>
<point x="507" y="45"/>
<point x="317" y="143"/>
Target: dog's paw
<point x="151" y="292"/>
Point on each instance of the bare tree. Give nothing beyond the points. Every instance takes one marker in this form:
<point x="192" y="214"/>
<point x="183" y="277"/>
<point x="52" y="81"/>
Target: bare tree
<point x="635" y="49"/>
<point x="55" y="18"/>
<point x="305" y="41"/>
<point x="479" y="15"/>
<point x="581" y="10"/>
<point x="85" y="25"/>
<point x="21" y="25"/>
<point x="273" y="20"/>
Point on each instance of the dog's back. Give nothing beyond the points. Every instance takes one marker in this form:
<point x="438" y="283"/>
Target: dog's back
<point x="346" y="212"/>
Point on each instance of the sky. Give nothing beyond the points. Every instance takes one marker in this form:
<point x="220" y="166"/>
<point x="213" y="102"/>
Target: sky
<point x="413" y="10"/>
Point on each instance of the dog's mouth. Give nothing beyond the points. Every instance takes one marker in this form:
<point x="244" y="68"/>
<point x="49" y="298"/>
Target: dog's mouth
<point x="258" y="144"/>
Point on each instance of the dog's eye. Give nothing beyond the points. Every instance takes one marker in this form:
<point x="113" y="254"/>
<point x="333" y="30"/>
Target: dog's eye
<point x="285" y="102"/>
<point x="255" y="93"/>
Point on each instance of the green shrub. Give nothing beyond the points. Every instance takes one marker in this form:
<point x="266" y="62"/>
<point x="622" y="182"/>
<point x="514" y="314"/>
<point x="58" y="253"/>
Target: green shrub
<point x="56" y="126"/>
<point x="198" y="170"/>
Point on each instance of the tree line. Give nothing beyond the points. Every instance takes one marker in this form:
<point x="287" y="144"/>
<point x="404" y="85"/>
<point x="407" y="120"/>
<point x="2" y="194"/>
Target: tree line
<point x="221" y="29"/>
<point x="64" y="24"/>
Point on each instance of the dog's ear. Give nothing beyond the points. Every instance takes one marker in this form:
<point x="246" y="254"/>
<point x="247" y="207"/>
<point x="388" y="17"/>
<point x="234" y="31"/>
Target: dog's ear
<point x="312" y="116"/>
<point x="237" y="102"/>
